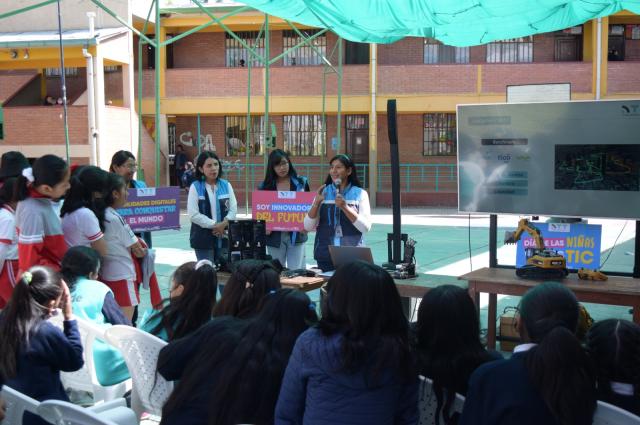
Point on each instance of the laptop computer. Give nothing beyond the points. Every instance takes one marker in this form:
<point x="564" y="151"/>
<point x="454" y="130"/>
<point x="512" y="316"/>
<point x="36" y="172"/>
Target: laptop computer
<point x="345" y="254"/>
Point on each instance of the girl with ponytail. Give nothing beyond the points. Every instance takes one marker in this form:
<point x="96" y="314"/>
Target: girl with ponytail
<point x="84" y="208"/>
<point x="40" y="237"/>
<point x="548" y="380"/>
<point x="8" y="241"/>
<point x="190" y="304"/>
<point x="614" y="346"/>
<point x="34" y="351"/>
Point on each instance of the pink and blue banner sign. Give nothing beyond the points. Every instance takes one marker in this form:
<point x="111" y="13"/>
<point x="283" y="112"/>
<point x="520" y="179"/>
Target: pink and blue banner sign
<point x="283" y="210"/>
<point x="579" y="243"/>
<point x="152" y="208"/>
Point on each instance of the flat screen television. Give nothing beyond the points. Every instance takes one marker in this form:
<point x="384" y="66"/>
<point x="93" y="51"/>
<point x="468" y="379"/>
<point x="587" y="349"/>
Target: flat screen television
<point x="567" y="159"/>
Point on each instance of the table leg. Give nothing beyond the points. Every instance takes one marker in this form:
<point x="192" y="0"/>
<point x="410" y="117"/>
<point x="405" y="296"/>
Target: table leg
<point x="491" y="321"/>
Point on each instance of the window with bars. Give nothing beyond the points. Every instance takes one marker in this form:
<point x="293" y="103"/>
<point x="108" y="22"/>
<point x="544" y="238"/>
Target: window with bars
<point x="236" y="55"/>
<point x="236" y="135"/>
<point x="357" y="122"/>
<point x="55" y="72"/>
<point x="439" y="134"/>
<point x="304" y="55"/>
<point x="304" y="135"/>
<point x="515" y="50"/>
<point x="436" y="52"/>
<point x="111" y="68"/>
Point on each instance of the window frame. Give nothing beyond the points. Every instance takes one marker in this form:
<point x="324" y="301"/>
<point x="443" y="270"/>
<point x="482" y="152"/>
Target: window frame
<point x="458" y="55"/>
<point x="296" y="138"/>
<point x="231" y="45"/>
<point x="444" y="128"/>
<point x="309" y="56"/>
<point x="501" y="48"/>
<point x="257" y="134"/>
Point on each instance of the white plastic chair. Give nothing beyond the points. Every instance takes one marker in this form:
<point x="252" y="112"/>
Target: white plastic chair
<point x="85" y="378"/>
<point x="428" y="403"/>
<point x="16" y="404"/>
<point x="140" y="350"/>
<point x="63" y="413"/>
<point x="114" y="412"/>
<point x="608" y="414"/>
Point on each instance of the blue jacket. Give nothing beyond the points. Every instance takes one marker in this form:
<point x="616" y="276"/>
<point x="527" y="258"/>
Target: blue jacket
<point x="501" y="393"/>
<point x="316" y="391"/>
<point x="201" y="238"/>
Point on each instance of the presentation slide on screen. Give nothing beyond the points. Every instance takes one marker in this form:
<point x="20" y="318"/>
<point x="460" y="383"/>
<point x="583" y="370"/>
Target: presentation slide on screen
<point x="573" y="159"/>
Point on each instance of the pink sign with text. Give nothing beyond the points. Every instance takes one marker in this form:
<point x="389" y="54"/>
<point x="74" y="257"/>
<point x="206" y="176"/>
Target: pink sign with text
<point x="283" y="210"/>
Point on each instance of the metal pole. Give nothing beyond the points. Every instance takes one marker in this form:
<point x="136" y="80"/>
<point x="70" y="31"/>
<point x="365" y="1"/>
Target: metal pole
<point x="266" y="83"/>
<point x="140" y="80"/>
<point x="26" y="9"/>
<point x="198" y="134"/>
<point x="64" y="84"/>
<point x="339" y="123"/>
<point x="157" y="84"/>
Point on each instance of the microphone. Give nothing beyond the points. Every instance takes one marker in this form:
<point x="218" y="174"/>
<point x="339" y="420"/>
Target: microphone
<point x="337" y="182"/>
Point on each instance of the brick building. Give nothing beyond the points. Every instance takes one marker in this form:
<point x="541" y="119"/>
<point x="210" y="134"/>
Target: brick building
<point x="205" y="77"/>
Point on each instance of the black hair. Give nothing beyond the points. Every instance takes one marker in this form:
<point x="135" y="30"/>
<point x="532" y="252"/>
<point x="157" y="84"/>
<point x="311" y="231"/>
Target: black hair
<point x="87" y="191"/>
<point x="447" y="345"/>
<point x="248" y="368"/>
<point x="48" y="169"/>
<point x="614" y="345"/>
<point x="271" y="178"/>
<point x="119" y="158"/>
<point x="346" y="160"/>
<point x="368" y="313"/>
<point x="114" y="182"/>
<point x="79" y="262"/>
<point x="250" y="281"/>
<point x="26" y="309"/>
<point x="183" y="314"/>
<point x="558" y="365"/>
<point x="202" y="158"/>
<point x="7" y="191"/>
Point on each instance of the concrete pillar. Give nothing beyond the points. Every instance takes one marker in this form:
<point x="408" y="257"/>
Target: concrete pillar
<point x="104" y="153"/>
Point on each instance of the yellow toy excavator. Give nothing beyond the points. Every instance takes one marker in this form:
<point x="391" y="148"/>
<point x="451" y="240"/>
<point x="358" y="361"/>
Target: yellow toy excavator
<point x="541" y="263"/>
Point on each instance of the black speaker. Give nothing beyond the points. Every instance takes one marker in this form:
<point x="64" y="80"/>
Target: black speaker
<point x="247" y="240"/>
<point x="392" y="122"/>
<point x="235" y="240"/>
<point x="260" y="239"/>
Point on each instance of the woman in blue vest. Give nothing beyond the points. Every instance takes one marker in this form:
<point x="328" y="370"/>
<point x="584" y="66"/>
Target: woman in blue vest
<point x="340" y="213"/>
<point x="211" y="204"/>
<point x="286" y="247"/>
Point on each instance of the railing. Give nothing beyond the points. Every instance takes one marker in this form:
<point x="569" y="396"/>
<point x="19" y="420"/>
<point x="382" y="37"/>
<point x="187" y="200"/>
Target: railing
<point x="413" y="177"/>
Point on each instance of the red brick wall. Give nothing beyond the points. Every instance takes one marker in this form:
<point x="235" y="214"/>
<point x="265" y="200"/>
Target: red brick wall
<point x="478" y="54"/>
<point x="623" y="77"/>
<point x="12" y="81"/>
<point x="218" y="82"/>
<point x="148" y="83"/>
<point x="200" y="50"/>
<point x="543" y="47"/>
<point x="21" y="128"/>
<point x="408" y="51"/>
<point x="76" y="85"/>
<point x="496" y="77"/>
<point x="415" y="79"/>
<point x="113" y="85"/>
<point x="632" y="50"/>
<point x="307" y="80"/>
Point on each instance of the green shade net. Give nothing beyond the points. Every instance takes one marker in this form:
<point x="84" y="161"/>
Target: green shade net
<point x="453" y="22"/>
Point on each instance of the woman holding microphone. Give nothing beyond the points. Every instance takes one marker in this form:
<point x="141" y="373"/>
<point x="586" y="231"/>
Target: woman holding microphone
<point x="340" y="213"/>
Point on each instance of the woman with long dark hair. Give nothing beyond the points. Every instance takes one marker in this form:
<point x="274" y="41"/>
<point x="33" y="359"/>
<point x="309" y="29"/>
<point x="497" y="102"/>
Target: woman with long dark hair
<point x="356" y="365"/>
<point x="235" y="377"/>
<point x="447" y="344"/>
<point x="614" y="345"/>
<point x="34" y="351"/>
<point x="190" y="303"/>
<point x="549" y="379"/>
<point x="340" y="213"/>
<point x="8" y="241"/>
<point x="211" y="203"/>
<point x="84" y="208"/>
<point x="286" y="247"/>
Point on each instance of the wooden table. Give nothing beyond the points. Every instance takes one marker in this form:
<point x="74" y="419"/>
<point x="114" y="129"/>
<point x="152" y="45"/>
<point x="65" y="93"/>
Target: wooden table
<point x="622" y="291"/>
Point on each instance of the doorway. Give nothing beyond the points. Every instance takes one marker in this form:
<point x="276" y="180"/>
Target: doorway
<point x="357" y="146"/>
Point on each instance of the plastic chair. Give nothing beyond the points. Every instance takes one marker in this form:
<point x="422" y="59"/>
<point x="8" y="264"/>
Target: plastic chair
<point x="16" y="404"/>
<point x="85" y="378"/>
<point x="608" y="414"/>
<point x="140" y="351"/>
<point x="428" y="403"/>
<point x="63" y="413"/>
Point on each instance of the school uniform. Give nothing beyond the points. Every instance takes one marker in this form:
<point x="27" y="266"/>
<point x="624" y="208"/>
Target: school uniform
<point x="502" y="393"/>
<point x="146" y="236"/>
<point x="334" y="228"/>
<point x="288" y="247"/>
<point x="81" y="228"/>
<point x="40" y="238"/>
<point x="8" y="254"/>
<point x="93" y="301"/>
<point x="208" y="205"/>
<point x="118" y="270"/>
<point x="50" y="350"/>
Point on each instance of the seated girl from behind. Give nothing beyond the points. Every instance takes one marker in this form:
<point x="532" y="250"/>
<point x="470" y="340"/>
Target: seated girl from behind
<point x="235" y="376"/>
<point x="190" y="304"/>
<point x="614" y="345"/>
<point x="93" y="301"/>
<point x="34" y="351"/>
